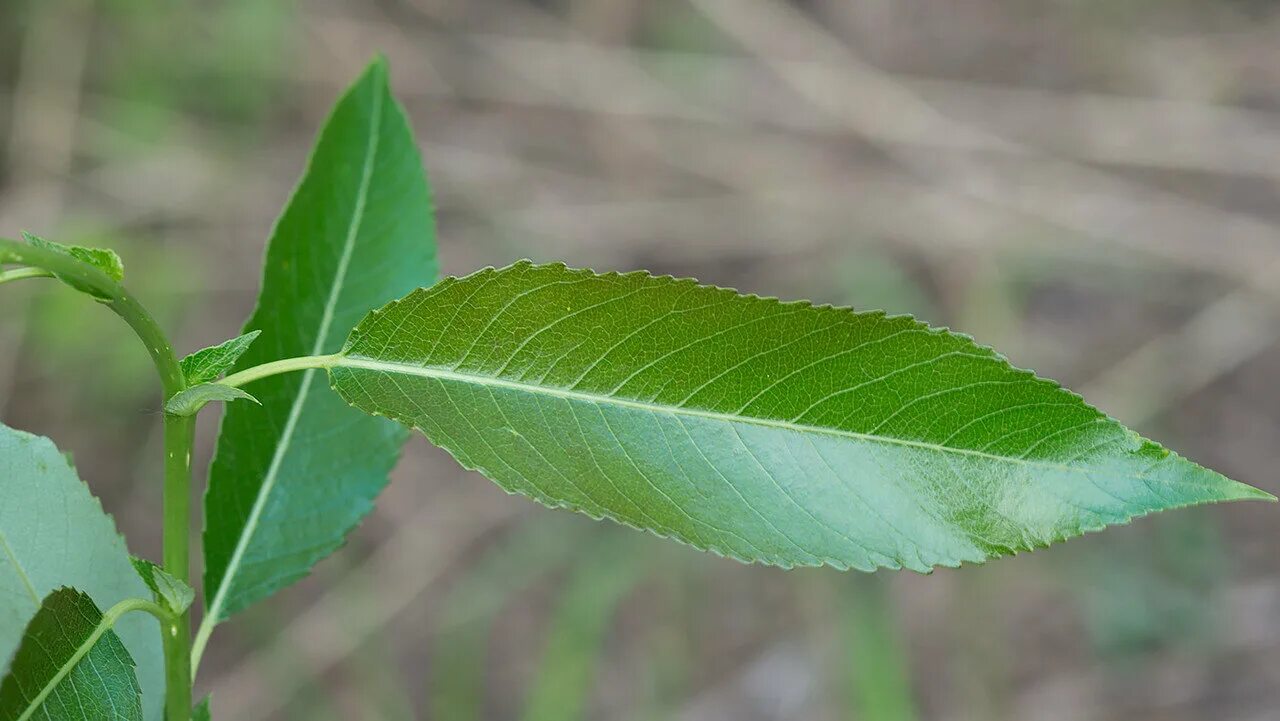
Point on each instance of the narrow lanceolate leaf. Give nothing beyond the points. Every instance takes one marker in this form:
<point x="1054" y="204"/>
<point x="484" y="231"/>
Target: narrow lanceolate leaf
<point x="292" y="477"/>
<point x="168" y="591"/>
<point x="207" y="364"/>
<point x="70" y="667"/>
<point x="766" y="431"/>
<point x="56" y="536"/>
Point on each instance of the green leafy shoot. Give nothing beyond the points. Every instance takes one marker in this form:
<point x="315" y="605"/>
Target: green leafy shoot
<point x="168" y="591"/>
<point x="103" y="259"/>
<point x="764" y="431"/>
<point x="72" y="666"/>
<point x="190" y="401"/>
<point x="209" y="364"/>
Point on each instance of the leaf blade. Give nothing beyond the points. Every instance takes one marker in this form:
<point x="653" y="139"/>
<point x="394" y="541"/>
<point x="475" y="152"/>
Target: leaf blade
<point x="60" y="536"/>
<point x="207" y="364"/>
<point x="190" y="401"/>
<point x="70" y="668"/>
<point x="765" y="431"/>
<point x="345" y="242"/>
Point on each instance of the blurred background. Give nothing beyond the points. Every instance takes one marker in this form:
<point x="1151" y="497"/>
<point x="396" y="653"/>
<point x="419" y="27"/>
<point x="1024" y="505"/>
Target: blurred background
<point x="1092" y="187"/>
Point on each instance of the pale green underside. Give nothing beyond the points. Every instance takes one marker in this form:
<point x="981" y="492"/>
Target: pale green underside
<point x="101" y="686"/>
<point x="58" y="535"/>
<point x="765" y="431"/>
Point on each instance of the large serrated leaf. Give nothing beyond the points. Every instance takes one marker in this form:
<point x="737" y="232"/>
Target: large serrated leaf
<point x="291" y="478"/>
<point x="765" y="431"/>
<point x="56" y="536"/>
<point x="70" y="669"/>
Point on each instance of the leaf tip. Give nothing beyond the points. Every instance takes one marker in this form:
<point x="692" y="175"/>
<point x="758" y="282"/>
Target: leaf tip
<point x="379" y="68"/>
<point x="1238" y="491"/>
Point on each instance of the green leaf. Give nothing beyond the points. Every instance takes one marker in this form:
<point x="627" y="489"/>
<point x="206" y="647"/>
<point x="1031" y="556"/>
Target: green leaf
<point x="167" y="590"/>
<point x="208" y="364"/>
<point x="765" y="431"/>
<point x="190" y="401"/>
<point x="103" y="259"/>
<point x="59" y="536"/>
<point x="71" y="667"/>
<point x="291" y="478"/>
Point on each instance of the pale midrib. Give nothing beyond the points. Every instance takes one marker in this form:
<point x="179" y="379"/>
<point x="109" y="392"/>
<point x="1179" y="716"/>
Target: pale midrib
<point x="104" y="624"/>
<point x="295" y="412"/>
<point x="22" y="572"/>
<point x="385" y="366"/>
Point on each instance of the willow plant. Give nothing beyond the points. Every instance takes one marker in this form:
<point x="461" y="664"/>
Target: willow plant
<point x="782" y="433"/>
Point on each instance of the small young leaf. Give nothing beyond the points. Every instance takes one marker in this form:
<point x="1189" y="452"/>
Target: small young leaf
<point x="103" y="259"/>
<point x="357" y="233"/>
<point x="765" y="431"/>
<point x="167" y="590"/>
<point x="56" y="677"/>
<point x="208" y="364"/>
<point x="59" y="536"/>
<point x="201" y="711"/>
<point x="190" y="401"/>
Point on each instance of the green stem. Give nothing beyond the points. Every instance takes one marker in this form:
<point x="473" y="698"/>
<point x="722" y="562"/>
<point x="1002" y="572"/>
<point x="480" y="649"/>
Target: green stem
<point x="287" y="365"/>
<point x="108" y="621"/>
<point x="178" y="439"/>
<point x="179" y="436"/>
<point x="20" y="273"/>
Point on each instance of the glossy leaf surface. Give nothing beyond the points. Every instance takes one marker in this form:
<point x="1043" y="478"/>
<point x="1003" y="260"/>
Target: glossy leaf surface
<point x="765" y="431"/>
<point x="290" y="478"/>
<point x="56" y="536"/>
<point x="55" y="678"/>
